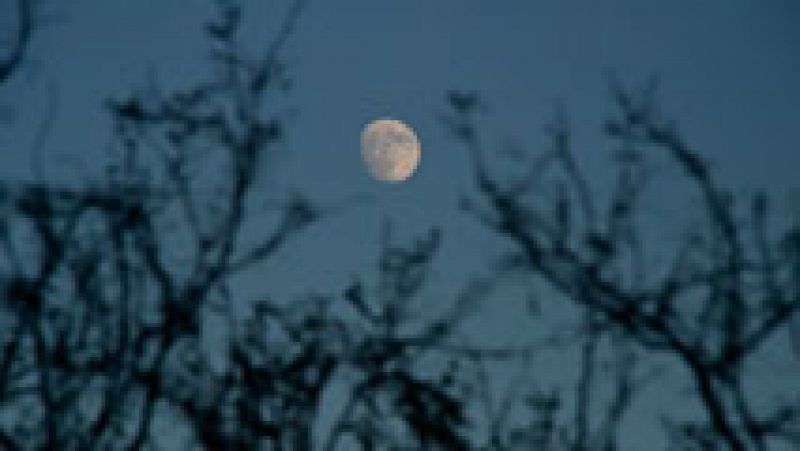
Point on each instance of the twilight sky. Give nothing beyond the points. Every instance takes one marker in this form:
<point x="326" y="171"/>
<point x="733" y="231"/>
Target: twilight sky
<point x="728" y="72"/>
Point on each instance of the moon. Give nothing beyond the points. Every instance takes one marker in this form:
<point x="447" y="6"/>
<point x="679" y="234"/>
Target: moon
<point x="390" y="150"/>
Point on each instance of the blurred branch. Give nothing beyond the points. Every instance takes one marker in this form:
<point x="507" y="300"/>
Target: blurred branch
<point x="736" y="318"/>
<point x="14" y="56"/>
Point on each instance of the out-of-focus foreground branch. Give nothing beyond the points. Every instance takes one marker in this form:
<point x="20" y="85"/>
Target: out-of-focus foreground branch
<point x="730" y="286"/>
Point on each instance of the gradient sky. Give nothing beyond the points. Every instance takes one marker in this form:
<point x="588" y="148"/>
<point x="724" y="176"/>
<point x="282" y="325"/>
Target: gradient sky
<point x="728" y="72"/>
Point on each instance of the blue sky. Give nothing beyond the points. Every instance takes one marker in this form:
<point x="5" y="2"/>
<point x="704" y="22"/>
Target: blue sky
<point x="728" y="74"/>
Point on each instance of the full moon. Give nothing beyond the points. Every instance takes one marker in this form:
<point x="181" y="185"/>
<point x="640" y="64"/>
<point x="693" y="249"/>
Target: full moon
<point x="390" y="149"/>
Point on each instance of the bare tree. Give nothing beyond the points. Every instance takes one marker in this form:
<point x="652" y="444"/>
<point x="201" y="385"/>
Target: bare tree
<point x="731" y="284"/>
<point x="100" y="312"/>
<point x="107" y="288"/>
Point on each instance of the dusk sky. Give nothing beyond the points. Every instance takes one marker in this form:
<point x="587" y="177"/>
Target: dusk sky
<point x="728" y="74"/>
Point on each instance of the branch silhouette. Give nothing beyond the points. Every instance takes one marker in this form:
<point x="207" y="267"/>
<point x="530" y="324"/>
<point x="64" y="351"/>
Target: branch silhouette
<point x="14" y="55"/>
<point x="121" y="318"/>
<point x="107" y="288"/>
<point x="730" y="287"/>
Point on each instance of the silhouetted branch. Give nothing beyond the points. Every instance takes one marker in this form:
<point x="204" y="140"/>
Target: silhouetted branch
<point x="714" y="267"/>
<point x="14" y="56"/>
